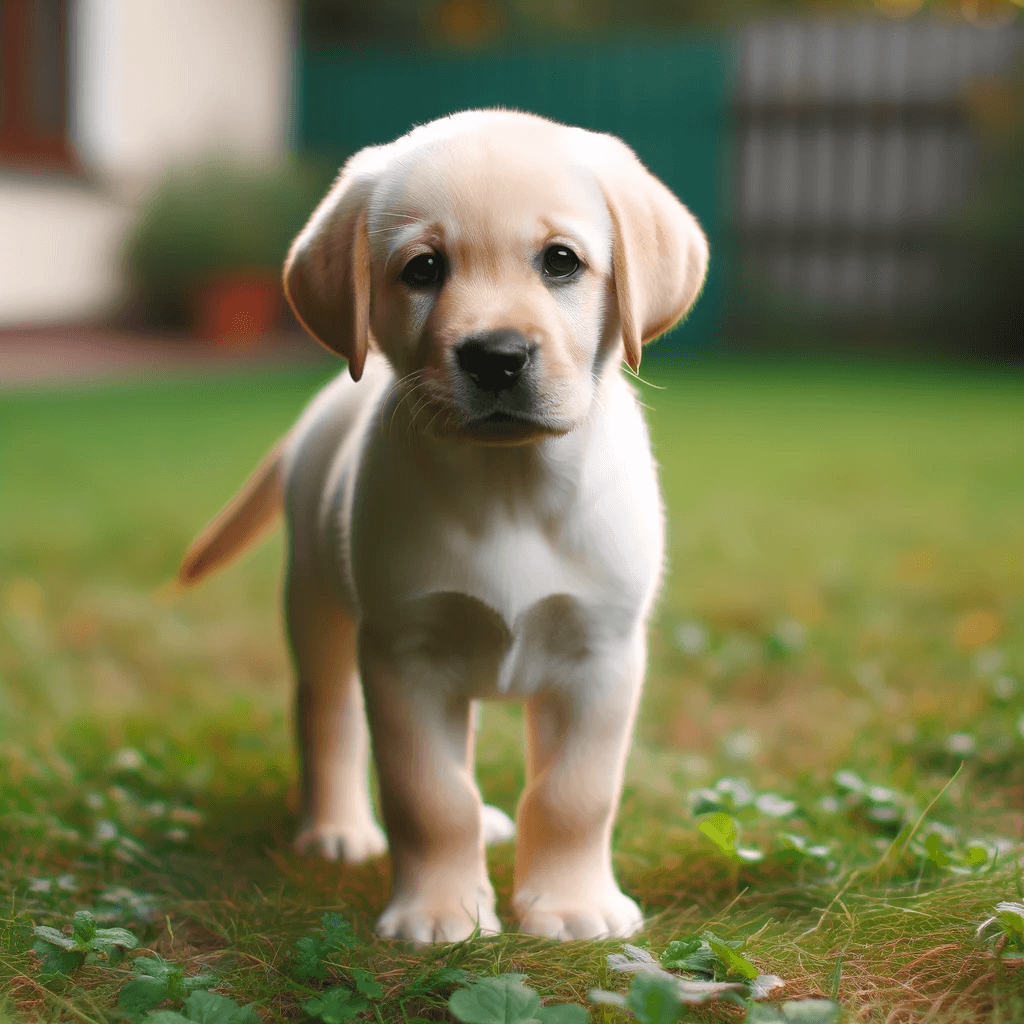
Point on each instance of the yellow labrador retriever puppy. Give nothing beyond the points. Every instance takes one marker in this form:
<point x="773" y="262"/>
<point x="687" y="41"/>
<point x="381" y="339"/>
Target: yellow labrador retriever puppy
<point x="478" y="517"/>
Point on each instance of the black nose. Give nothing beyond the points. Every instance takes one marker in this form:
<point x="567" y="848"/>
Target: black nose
<point x="495" y="360"/>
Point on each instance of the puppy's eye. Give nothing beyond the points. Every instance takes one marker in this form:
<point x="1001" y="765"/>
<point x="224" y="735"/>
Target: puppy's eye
<point x="424" y="271"/>
<point x="560" y="262"/>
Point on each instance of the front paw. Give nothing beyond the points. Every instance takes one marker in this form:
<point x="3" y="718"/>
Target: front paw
<point x="351" y="844"/>
<point x="423" y="920"/>
<point x="605" y="912"/>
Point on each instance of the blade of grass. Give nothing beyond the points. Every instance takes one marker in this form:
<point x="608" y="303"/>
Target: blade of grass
<point x="887" y="856"/>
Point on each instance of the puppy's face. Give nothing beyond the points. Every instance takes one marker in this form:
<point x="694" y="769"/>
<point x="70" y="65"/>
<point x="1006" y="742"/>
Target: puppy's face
<point x="491" y="287"/>
<point x="501" y="263"/>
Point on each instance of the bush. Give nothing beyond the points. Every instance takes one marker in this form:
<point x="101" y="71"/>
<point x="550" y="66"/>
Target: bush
<point x="216" y="219"/>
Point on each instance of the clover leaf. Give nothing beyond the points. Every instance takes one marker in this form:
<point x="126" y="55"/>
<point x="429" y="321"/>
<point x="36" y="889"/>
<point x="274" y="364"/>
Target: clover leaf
<point x="156" y="981"/>
<point x="506" y="1000"/>
<point x="206" y="1008"/>
<point x="87" y="943"/>
<point x="336" y="1005"/>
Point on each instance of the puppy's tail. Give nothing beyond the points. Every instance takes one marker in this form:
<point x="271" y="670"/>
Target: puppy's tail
<point x="248" y="517"/>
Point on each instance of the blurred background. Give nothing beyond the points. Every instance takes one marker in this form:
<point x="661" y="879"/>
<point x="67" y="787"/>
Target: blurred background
<point x="857" y="166"/>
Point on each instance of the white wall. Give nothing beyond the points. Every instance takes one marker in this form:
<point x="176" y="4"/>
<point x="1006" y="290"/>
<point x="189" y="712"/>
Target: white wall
<point x="59" y="251"/>
<point x="166" y="81"/>
<point x="154" y="82"/>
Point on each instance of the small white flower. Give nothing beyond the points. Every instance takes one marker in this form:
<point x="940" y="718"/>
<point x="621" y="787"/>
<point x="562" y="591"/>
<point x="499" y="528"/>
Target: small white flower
<point x="128" y="759"/>
<point x="763" y="984"/>
<point x="749" y="854"/>
<point x="156" y="809"/>
<point x="944" y="832"/>
<point x="774" y="805"/>
<point x="40" y="885"/>
<point x="691" y="637"/>
<point x="68" y="883"/>
<point x="828" y="805"/>
<point x="105" y="831"/>
<point x="94" y="800"/>
<point x="792" y="633"/>
<point x="177" y="835"/>
<point x="881" y="795"/>
<point x="738" y="789"/>
<point x="696" y="766"/>
<point x="742" y="745"/>
<point x="1004" y="687"/>
<point x="850" y="781"/>
<point x="961" y="743"/>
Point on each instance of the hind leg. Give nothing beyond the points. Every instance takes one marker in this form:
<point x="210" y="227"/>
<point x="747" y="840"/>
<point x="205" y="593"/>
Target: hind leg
<point x="337" y="818"/>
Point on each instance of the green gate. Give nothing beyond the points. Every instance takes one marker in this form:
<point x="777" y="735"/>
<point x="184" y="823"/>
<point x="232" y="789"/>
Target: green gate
<point x="667" y="100"/>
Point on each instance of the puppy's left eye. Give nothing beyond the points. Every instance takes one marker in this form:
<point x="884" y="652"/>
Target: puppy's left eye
<point x="560" y="262"/>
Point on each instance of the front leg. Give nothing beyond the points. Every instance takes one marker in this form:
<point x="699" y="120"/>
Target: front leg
<point x="578" y="739"/>
<point x="429" y="799"/>
<point x="334" y="744"/>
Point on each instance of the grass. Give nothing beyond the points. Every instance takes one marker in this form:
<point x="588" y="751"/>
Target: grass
<point x="845" y="595"/>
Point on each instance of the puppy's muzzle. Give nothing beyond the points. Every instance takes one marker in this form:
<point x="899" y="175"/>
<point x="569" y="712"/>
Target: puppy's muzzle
<point x="494" y="361"/>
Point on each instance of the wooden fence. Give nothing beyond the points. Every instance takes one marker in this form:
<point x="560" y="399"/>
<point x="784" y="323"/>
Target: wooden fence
<point x="852" y="153"/>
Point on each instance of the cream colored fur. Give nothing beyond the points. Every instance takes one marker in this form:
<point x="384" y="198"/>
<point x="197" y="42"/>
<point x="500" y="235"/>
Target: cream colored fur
<point x="436" y="558"/>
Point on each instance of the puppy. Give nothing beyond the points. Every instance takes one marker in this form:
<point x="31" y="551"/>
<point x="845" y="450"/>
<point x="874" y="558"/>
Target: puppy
<point x="479" y="516"/>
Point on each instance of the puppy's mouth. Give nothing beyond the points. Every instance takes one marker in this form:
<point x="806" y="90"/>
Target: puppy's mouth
<point x="502" y="427"/>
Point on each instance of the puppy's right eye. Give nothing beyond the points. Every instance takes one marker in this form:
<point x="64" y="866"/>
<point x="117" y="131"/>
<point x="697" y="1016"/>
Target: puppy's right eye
<point x="424" y="271"/>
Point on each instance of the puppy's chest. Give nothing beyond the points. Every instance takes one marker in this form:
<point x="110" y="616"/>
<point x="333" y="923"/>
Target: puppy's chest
<point x="507" y="609"/>
<point x="507" y="566"/>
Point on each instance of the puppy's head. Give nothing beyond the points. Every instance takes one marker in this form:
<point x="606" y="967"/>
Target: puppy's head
<point x="501" y="263"/>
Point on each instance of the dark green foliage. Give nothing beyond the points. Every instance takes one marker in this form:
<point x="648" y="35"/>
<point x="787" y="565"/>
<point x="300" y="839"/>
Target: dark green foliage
<point x="706" y="955"/>
<point x="693" y="955"/>
<point x="506" y="1000"/>
<point x="87" y="943"/>
<point x="206" y="1008"/>
<point x="654" y="1000"/>
<point x="336" y="1005"/>
<point x="1010" y="917"/>
<point x="435" y="981"/>
<point x="311" y="951"/>
<point x="735" y="964"/>
<point x="156" y="981"/>
<point x="218" y="219"/>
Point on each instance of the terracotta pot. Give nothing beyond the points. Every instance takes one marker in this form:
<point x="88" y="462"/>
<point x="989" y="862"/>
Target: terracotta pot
<point x="236" y="309"/>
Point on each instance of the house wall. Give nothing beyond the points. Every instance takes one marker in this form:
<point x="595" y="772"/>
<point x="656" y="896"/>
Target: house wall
<point x="152" y="84"/>
<point x="167" y="81"/>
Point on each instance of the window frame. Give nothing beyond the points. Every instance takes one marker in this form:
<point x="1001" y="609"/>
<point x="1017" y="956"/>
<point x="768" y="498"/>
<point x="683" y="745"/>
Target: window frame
<point x="22" y="143"/>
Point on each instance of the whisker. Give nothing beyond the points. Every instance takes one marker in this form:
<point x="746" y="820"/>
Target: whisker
<point x="397" y="384"/>
<point x="629" y="369"/>
<point x="398" y="405"/>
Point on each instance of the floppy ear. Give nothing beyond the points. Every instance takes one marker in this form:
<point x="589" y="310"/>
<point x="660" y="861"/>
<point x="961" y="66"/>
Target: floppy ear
<point x="659" y="253"/>
<point x="327" y="272"/>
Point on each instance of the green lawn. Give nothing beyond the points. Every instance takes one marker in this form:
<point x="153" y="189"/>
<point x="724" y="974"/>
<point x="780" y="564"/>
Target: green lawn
<point x="845" y="595"/>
